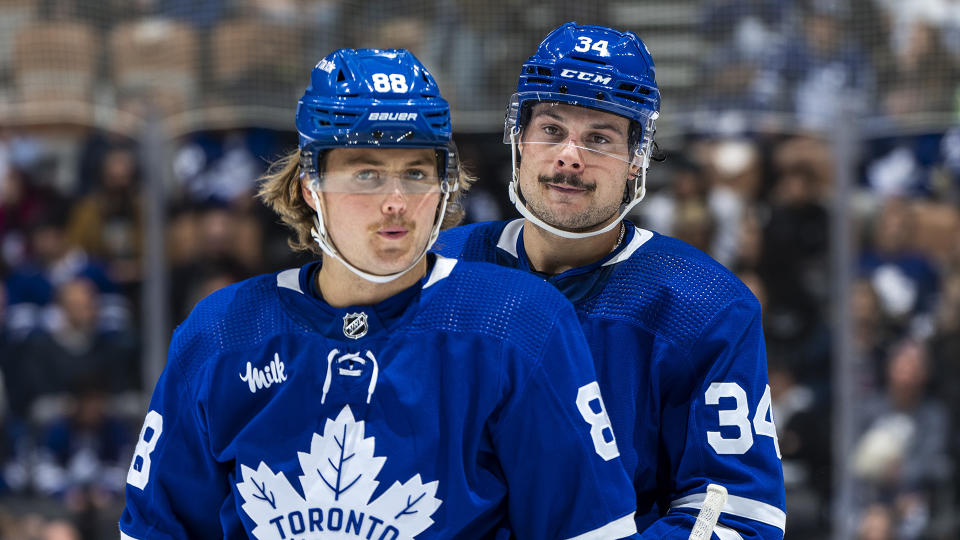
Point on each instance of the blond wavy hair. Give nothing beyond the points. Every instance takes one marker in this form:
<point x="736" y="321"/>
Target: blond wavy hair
<point x="279" y="189"/>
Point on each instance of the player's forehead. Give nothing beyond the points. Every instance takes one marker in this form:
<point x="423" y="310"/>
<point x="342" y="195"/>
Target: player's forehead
<point x="388" y="158"/>
<point x="582" y="116"/>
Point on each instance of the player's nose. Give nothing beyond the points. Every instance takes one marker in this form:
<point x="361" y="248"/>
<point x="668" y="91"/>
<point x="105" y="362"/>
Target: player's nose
<point x="394" y="202"/>
<point x="569" y="158"/>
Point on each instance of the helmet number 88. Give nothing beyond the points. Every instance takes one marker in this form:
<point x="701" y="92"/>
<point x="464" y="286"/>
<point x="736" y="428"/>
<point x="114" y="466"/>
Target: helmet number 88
<point x="395" y="82"/>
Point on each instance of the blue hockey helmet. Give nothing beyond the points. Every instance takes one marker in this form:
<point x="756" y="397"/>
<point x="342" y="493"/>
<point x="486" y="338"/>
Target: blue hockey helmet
<point x="595" y="67"/>
<point x="374" y="98"/>
<point x="591" y="66"/>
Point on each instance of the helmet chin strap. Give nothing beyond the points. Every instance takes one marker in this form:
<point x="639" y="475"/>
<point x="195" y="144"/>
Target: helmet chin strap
<point x="319" y="234"/>
<point x="639" y="190"/>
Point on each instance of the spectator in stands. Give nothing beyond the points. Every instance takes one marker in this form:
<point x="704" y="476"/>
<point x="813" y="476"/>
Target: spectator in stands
<point x="14" y="449"/>
<point x="22" y="202"/>
<point x="59" y="529"/>
<point x="945" y="357"/>
<point x="73" y="347"/>
<point x="107" y="223"/>
<point x="794" y="256"/>
<point x="876" y="523"/>
<point x="51" y="261"/>
<point x="804" y="440"/>
<point x="873" y="332"/>
<point x="749" y="241"/>
<point x="82" y="458"/>
<point x="686" y="182"/>
<point x="3" y="321"/>
<point x="734" y="168"/>
<point x="900" y="458"/>
<point x="221" y="251"/>
<point x="742" y="37"/>
<point x="905" y="279"/>
<point x="221" y="168"/>
<point x="823" y="68"/>
<point x="922" y="76"/>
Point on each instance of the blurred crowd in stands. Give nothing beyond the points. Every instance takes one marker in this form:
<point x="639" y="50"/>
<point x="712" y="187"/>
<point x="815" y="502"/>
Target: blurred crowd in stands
<point x="739" y="183"/>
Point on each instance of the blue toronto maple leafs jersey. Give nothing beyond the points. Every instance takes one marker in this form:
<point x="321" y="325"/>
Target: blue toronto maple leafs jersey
<point x="681" y="362"/>
<point x="462" y="406"/>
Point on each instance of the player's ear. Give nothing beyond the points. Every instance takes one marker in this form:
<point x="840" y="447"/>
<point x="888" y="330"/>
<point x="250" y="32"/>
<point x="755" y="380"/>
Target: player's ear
<point x="305" y="192"/>
<point x="635" y="164"/>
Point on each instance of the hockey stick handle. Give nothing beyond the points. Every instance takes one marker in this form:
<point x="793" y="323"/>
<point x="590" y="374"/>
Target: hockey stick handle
<point x="709" y="512"/>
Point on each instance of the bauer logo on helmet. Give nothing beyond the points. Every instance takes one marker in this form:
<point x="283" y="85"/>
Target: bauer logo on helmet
<point x="393" y="116"/>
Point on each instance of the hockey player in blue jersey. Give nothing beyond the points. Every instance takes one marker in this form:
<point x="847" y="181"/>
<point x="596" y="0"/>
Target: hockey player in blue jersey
<point x="676" y="338"/>
<point x="378" y="393"/>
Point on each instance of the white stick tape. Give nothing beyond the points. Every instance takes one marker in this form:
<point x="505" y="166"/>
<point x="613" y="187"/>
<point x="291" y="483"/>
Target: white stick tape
<point x="709" y="512"/>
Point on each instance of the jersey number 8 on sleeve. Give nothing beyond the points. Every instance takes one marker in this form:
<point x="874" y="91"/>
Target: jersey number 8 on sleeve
<point x="738" y="417"/>
<point x="598" y="420"/>
<point x="139" y="473"/>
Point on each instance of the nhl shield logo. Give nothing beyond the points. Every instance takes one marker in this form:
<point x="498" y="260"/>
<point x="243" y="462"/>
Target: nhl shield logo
<point x="355" y="325"/>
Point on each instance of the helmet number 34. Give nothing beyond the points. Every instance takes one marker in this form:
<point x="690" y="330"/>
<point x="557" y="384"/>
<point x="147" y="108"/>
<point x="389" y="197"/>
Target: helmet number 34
<point x="585" y="44"/>
<point x="394" y="82"/>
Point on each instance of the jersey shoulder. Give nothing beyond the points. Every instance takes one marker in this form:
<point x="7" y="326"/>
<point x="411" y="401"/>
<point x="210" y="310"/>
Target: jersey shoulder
<point x="474" y="242"/>
<point x="671" y="288"/>
<point x="498" y="302"/>
<point x="234" y="318"/>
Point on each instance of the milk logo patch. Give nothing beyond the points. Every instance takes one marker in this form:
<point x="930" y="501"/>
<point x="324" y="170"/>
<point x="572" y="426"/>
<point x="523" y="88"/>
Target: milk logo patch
<point x="338" y="481"/>
<point x="265" y="377"/>
<point x="355" y="325"/>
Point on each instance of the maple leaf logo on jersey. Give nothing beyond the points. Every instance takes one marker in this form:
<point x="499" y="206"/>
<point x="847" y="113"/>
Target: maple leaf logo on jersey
<point x="338" y="483"/>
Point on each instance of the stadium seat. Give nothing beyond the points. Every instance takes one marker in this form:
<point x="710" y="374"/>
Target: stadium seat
<point x="55" y="66"/>
<point x="154" y="61"/>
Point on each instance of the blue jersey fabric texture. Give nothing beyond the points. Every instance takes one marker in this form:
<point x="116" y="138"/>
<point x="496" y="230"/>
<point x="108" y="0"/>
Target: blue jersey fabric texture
<point x="452" y="414"/>
<point x="681" y="363"/>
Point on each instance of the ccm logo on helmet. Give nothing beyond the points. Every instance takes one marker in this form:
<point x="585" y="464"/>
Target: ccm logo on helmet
<point x="399" y="117"/>
<point x="584" y="76"/>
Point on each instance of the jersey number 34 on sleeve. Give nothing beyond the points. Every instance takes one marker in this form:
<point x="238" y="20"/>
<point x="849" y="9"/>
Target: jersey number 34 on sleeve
<point x="738" y="417"/>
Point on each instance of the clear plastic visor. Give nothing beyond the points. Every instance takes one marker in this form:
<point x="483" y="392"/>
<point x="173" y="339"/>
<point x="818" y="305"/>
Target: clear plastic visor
<point x="376" y="177"/>
<point x="373" y="181"/>
<point x="587" y="151"/>
<point x="602" y="134"/>
<point x="532" y="98"/>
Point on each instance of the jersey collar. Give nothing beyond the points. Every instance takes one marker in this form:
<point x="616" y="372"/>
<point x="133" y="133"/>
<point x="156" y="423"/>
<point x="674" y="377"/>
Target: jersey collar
<point x="298" y="292"/>
<point x="576" y="283"/>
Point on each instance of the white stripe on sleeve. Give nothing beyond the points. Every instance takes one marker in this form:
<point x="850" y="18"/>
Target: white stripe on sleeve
<point x="619" y="528"/>
<point x="740" y="506"/>
<point x="726" y="533"/>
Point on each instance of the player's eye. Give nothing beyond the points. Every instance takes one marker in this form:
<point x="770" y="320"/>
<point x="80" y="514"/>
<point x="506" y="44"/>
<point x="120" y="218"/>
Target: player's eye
<point x="367" y="175"/>
<point x="597" y="140"/>
<point x="552" y="131"/>
<point x="415" y="175"/>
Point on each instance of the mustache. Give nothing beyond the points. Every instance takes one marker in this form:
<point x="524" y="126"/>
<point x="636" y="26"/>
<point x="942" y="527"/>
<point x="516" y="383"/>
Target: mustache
<point x="572" y="180"/>
<point x="396" y="222"/>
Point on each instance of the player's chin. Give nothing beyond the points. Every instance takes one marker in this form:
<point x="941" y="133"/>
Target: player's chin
<point x="568" y="219"/>
<point x="396" y="259"/>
